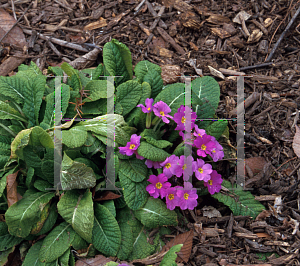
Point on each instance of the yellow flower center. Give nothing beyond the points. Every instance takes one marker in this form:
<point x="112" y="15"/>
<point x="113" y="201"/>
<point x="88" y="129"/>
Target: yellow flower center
<point x="213" y="150"/>
<point x="199" y="135"/>
<point x="132" y="146"/>
<point x="203" y="147"/>
<point x="186" y="196"/>
<point x="162" y="113"/>
<point x="171" y="196"/>
<point x="168" y="165"/>
<point x="200" y="170"/>
<point x="148" y="108"/>
<point x="183" y="120"/>
<point x="210" y="182"/>
<point x="184" y="166"/>
<point x="158" y="185"/>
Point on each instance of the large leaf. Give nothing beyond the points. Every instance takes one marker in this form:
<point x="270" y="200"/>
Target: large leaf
<point x="57" y="242"/>
<point x="135" y="193"/>
<point x="155" y="80"/>
<point x="128" y="95"/>
<point x="106" y="231"/>
<point x="117" y="61"/>
<point x="7" y="112"/>
<point x="13" y="88"/>
<point x="76" y="175"/>
<point x="240" y="202"/>
<point x="21" y="216"/>
<point x="6" y="239"/>
<point x="39" y="137"/>
<point x="33" y="92"/>
<point x="78" y="211"/>
<point x="32" y="256"/>
<point x="73" y="74"/>
<point x="143" y="67"/>
<point x="151" y="152"/>
<point x="74" y="137"/>
<point x="207" y="91"/>
<point x="96" y="89"/>
<point x="155" y="213"/>
<point x="20" y="141"/>
<point x="134" y="169"/>
<point x="216" y="128"/>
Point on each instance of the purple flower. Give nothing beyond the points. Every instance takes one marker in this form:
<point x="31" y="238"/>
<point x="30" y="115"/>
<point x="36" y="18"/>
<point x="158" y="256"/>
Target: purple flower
<point x="131" y="146"/>
<point x="179" y="118"/>
<point x="214" y="184"/>
<point x="140" y="157"/>
<point x="199" y="132"/>
<point x="187" y="197"/>
<point x="170" y="165"/>
<point x="187" y="166"/>
<point x="148" y="108"/>
<point x="158" y="185"/>
<point x="161" y="110"/>
<point x="204" y="144"/>
<point x="171" y="198"/>
<point x="217" y="152"/>
<point x="151" y="164"/>
<point x="202" y="170"/>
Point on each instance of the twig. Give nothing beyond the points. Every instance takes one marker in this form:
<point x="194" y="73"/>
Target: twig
<point x="58" y="41"/>
<point x="257" y="66"/>
<point x="16" y="22"/>
<point x="282" y="35"/>
<point x="13" y="9"/>
<point x="63" y="5"/>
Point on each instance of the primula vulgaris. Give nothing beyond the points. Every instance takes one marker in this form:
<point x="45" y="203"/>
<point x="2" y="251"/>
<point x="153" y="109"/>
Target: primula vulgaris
<point x="214" y="183"/>
<point x="170" y="165"/>
<point x="187" y="166"/>
<point x="151" y="164"/>
<point x="199" y="132"/>
<point x="161" y="110"/>
<point x="204" y="144"/>
<point x="131" y="146"/>
<point x="217" y="152"/>
<point x="187" y="197"/>
<point x="148" y="108"/>
<point x="180" y="119"/>
<point x="172" y="199"/>
<point x="158" y="185"/>
<point x="202" y="170"/>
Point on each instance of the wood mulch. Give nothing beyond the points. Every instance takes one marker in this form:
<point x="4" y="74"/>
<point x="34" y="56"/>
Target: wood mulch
<point x="218" y="38"/>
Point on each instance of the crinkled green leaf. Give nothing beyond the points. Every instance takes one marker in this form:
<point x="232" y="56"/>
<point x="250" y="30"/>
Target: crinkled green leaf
<point x="21" y="216"/>
<point x="20" y="141"/>
<point x="42" y="185"/>
<point x="126" y="241"/>
<point x="50" y="221"/>
<point x="143" y="67"/>
<point x="117" y="61"/>
<point x="13" y="88"/>
<point x="76" y="175"/>
<point x="57" y="242"/>
<point x="78" y="211"/>
<point x="134" y="169"/>
<point x="73" y="74"/>
<point x="128" y="95"/>
<point x="79" y="242"/>
<point x="135" y="193"/>
<point x="106" y="231"/>
<point x="97" y="89"/>
<point x="6" y="239"/>
<point x="151" y="152"/>
<point x="216" y="128"/>
<point x="7" y="112"/>
<point x="155" y="80"/>
<point x="32" y="257"/>
<point x="74" y="137"/>
<point x="241" y="202"/>
<point x="158" y="143"/>
<point x="170" y="257"/>
<point x="43" y="217"/>
<point x="155" y="213"/>
<point x="110" y="205"/>
<point x="63" y="260"/>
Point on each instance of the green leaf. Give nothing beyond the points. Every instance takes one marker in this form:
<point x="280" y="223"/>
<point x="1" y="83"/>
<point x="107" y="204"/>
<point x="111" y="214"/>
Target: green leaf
<point x="39" y="137"/>
<point x="50" y="221"/>
<point x="32" y="257"/>
<point x="97" y="89"/>
<point x="173" y="95"/>
<point x="7" y="112"/>
<point x="155" y="80"/>
<point x="13" y="88"/>
<point x="74" y="137"/>
<point x="143" y="67"/>
<point x="78" y="211"/>
<point x="155" y="213"/>
<point x="73" y="74"/>
<point x="6" y="239"/>
<point x="97" y="72"/>
<point x="20" y="141"/>
<point x="126" y="241"/>
<point x="79" y="242"/>
<point x="128" y="95"/>
<point x="117" y="61"/>
<point x="158" y="143"/>
<point x="135" y="193"/>
<point x="151" y="152"/>
<point x="110" y="205"/>
<point x="206" y="90"/>
<point x="21" y="216"/>
<point x="170" y="257"/>
<point x="42" y="185"/>
<point x="33" y="93"/>
<point x="63" y="260"/>
<point x="134" y="169"/>
<point x="3" y="180"/>
<point x="216" y="128"/>
<point x="76" y="175"/>
<point x="240" y="202"/>
<point x="43" y="217"/>
<point x="106" y="231"/>
<point x="57" y="242"/>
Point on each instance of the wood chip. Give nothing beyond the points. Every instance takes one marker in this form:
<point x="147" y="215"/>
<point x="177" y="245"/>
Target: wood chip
<point x="95" y="25"/>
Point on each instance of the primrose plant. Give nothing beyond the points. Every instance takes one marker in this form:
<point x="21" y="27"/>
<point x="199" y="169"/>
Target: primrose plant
<point x="83" y="217"/>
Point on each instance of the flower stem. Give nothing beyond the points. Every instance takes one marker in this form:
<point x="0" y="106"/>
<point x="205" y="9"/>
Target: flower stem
<point x="148" y="120"/>
<point x="156" y="123"/>
<point x="155" y="120"/>
<point x="8" y="130"/>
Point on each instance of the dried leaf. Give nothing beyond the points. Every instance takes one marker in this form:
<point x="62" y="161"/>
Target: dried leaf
<point x="11" y="187"/>
<point x="296" y="142"/>
<point x="170" y="73"/>
<point x="211" y="212"/>
<point x="98" y="260"/>
<point x="108" y="195"/>
<point x="187" y="240"/>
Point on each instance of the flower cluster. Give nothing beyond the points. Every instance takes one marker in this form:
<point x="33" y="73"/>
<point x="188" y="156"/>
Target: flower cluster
<point x="184" y="197"/>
